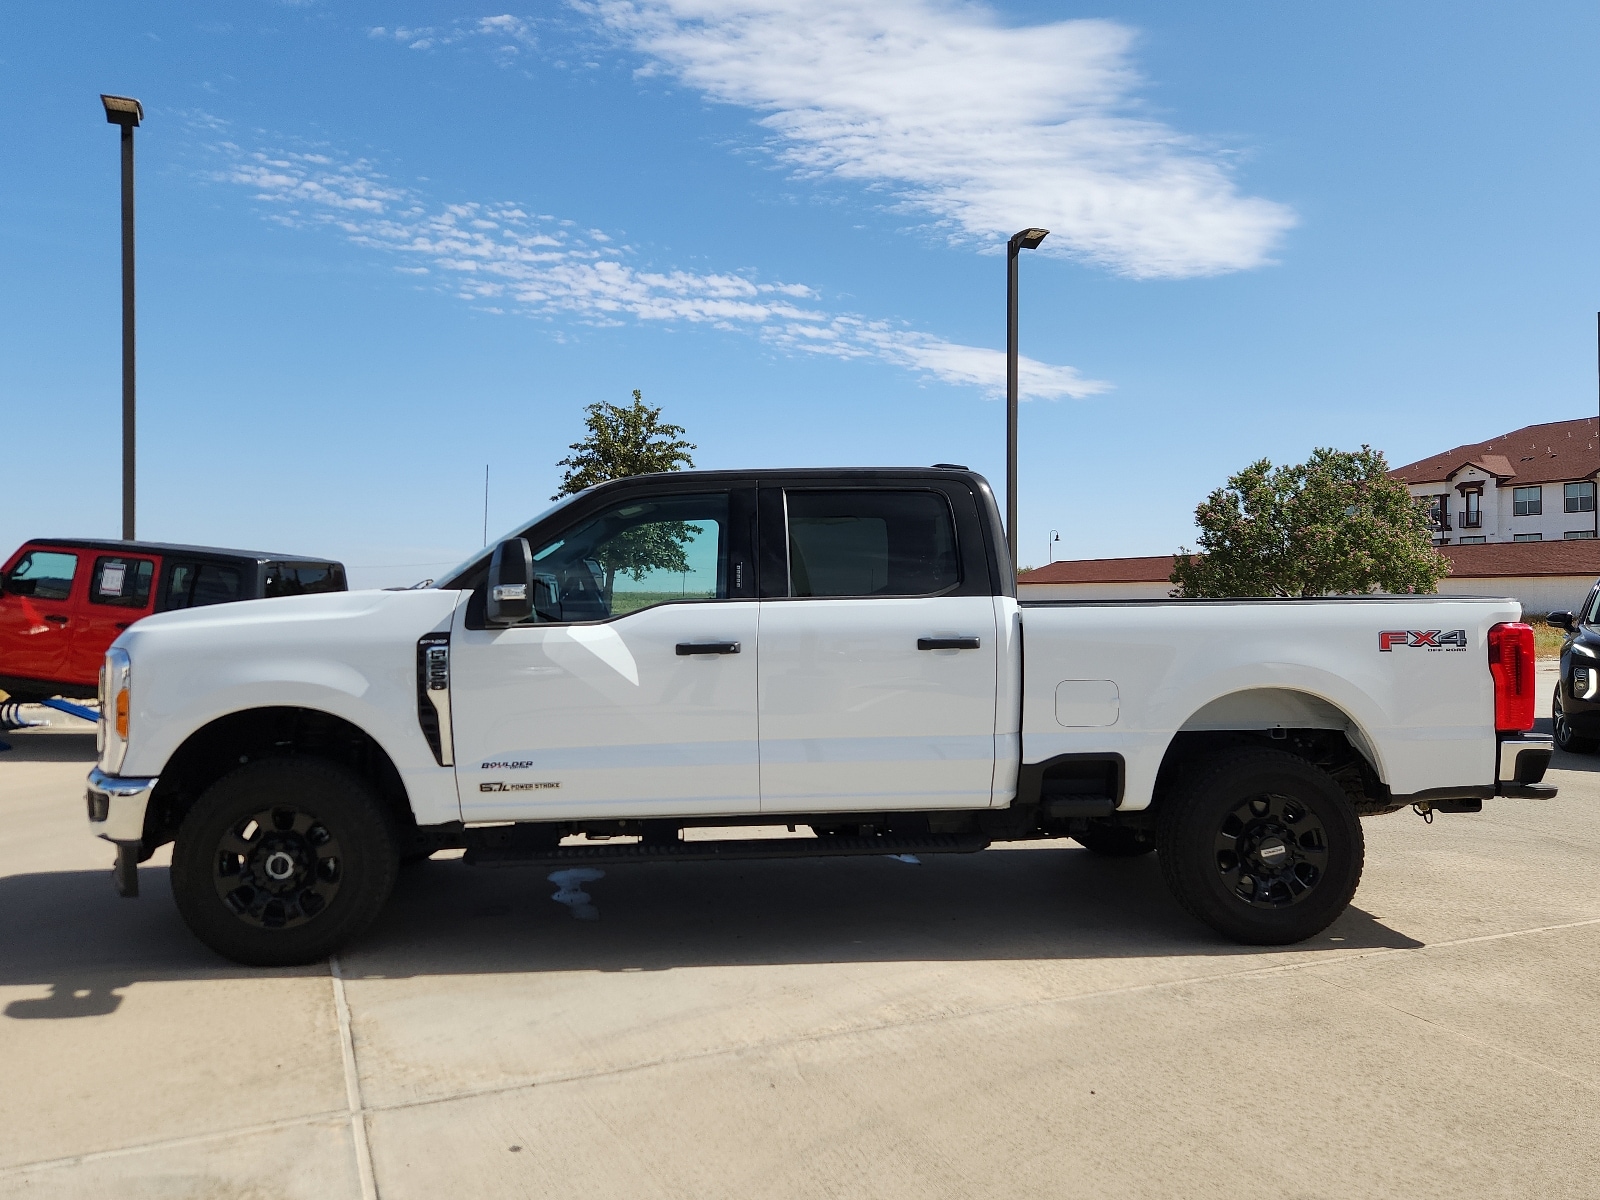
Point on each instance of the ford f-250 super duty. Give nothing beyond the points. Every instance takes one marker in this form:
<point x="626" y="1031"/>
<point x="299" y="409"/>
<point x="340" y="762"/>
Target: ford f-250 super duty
<point x="838" y="651"/>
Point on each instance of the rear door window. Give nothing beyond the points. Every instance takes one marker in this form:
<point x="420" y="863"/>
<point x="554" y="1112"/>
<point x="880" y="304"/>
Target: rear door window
<point x="871" y="543"/>
<point x="122" y="581"/>
<point x="43" y="574"/>
<point x="194" y="585"/>
<point x="215" y="583"/>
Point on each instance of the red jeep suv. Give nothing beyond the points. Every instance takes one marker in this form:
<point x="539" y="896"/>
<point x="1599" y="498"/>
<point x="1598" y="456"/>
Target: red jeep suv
<point x="64" y="601"/>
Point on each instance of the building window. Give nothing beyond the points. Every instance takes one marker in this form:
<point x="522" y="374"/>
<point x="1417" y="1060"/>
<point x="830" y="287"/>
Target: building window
<point x="1580" y="496"/>
<point x="1527" y="537"/>
<point x="1472" y="516"/>
<point x="1577" y="535"/>
<point x="1527" y="502"/>
<point x="1472" y="541"/>
<point x="1439" y="512"/>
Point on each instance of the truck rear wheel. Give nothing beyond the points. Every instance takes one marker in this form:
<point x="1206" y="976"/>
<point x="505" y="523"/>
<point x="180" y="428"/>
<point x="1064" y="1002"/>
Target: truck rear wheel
<point x="1260" y="845"/>
<point x="283" y="861"/>
<point x="1116" y="841"/>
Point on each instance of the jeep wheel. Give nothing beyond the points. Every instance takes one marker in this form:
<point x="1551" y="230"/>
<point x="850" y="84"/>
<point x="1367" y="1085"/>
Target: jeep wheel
<point x="1260" y="845"/>
<point x="1565" y="738"/>
<point x="283" y="861"/>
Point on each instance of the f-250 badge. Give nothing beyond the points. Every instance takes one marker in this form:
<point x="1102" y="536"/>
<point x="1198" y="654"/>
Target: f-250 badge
<point x="1427" y="639"/>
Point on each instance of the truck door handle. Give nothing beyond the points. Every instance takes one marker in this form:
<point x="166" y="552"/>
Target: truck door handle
<point x="948" y="643"/>
<point x="708" y="648"/>
<point x="56" y="618"/>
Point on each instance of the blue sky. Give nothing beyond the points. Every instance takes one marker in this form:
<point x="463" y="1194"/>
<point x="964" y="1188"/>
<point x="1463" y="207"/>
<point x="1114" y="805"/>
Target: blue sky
<point x="382" y="245"/>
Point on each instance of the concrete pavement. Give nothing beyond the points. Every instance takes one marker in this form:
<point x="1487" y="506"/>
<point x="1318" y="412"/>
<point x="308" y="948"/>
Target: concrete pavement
<point x="1026" y="1021"/>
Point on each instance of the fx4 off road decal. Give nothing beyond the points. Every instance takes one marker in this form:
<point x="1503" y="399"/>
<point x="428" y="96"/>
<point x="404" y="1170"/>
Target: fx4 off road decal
<point x="1426" y="639"/>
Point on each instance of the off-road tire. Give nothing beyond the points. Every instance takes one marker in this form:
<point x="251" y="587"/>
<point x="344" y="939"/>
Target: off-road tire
<point x="1116" y="841"/>
<point x="1260" y="845"/>
<point x="1565" y="738"/>
<point x="223" y="881"/>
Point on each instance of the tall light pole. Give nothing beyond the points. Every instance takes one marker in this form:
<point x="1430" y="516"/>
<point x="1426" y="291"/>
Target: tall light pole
<point x="1027" y="239"/>
<point x="126" y="112"/>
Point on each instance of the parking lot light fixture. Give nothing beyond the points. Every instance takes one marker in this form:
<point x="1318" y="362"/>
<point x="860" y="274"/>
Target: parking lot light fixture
<point x="1025" y="239"/>
<point x="126" y="112"/>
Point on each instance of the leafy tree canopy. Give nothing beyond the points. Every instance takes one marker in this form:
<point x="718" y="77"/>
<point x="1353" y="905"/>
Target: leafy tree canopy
<point x="626" y="441"/>
<point x="622" y="442"/>
<point x="1334" y="524"/>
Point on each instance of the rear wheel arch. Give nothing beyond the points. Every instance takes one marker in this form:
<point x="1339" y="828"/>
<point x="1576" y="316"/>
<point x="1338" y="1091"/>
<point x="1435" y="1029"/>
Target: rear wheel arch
<point x="250" y="735"/>
<point x="1298" y="722"/>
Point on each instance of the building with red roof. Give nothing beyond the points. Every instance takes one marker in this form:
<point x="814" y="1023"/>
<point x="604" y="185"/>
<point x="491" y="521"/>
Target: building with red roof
<point x="1535" y="484"/>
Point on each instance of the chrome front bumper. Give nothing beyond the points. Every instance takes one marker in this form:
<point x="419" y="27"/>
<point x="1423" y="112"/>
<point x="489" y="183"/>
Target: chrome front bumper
<point x="116" y="806"/>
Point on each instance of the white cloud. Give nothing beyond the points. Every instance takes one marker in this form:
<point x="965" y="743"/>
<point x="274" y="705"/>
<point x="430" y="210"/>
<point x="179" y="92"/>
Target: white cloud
<point x="988" y="128"/>
<point x="501" y="258"/>
<point x="511" y="35"/>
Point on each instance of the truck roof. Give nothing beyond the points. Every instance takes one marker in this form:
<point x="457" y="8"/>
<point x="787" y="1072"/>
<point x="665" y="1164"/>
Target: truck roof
<point x="760" y="474"/>
<point x="173" y="548"/>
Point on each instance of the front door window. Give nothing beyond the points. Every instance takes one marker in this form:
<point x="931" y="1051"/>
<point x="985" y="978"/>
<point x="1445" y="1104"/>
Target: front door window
<point x="43" y="575"/>
<point x="638" y="554"/>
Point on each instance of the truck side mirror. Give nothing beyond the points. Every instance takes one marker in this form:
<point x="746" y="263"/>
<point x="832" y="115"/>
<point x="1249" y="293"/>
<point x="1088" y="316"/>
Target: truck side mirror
<point x="1561" y="620"/>
<point x="510" y="595"/>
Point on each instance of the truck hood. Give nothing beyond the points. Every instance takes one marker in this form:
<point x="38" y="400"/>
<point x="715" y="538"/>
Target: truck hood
<point x="339" y="652"/>
<point x="288" y="617"/>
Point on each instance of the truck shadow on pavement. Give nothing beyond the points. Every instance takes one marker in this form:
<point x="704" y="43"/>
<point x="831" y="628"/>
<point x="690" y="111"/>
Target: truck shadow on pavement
<point x="70" y="932"/>
<point x="31" y="746"/>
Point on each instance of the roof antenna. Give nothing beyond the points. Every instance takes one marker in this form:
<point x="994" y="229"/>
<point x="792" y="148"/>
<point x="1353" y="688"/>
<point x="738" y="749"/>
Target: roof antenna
<point x="486" y="498"/>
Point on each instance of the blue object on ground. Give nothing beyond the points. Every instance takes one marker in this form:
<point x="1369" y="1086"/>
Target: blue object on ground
<point x="73" y="710"/>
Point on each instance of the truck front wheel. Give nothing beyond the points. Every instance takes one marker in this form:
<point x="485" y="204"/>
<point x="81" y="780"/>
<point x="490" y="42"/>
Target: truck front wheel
<point x="1260" y="845"/>
<point x="282" y="861"/>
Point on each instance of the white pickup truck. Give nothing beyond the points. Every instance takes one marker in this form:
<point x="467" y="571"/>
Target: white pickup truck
<point x="836" y="651"/>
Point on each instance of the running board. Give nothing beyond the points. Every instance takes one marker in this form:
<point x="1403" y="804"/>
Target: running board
<point x="484" y="855"/>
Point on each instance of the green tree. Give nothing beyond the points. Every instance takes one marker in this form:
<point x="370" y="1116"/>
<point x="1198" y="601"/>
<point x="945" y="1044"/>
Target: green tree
<point x="622" y="442"/>
<point x="625" y="441"/>
<point x="1335" y="524"/>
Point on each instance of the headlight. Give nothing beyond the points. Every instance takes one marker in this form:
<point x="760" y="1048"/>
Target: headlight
<point x="115" y="706"/>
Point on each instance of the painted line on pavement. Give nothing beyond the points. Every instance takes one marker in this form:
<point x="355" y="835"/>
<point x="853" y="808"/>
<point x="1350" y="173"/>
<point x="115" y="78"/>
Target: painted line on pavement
<point x="352" y="1085"/>
<point x="331" y="1117"/>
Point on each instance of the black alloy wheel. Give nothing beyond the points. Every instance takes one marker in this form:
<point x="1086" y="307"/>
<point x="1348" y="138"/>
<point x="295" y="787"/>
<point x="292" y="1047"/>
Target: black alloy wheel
<point x="1565" y="738"/>
<point x="278" y="868"/>
<point x="282" y="861"/>
<point x="1271" y="851"/>
<point x="1260" y="845"/>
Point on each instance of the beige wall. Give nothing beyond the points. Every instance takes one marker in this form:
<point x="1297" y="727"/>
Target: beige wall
<point x="1537" y="594"/>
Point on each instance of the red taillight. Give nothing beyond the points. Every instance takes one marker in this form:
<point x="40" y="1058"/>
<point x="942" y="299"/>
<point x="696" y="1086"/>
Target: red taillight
<point x="1511" y="664"/>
